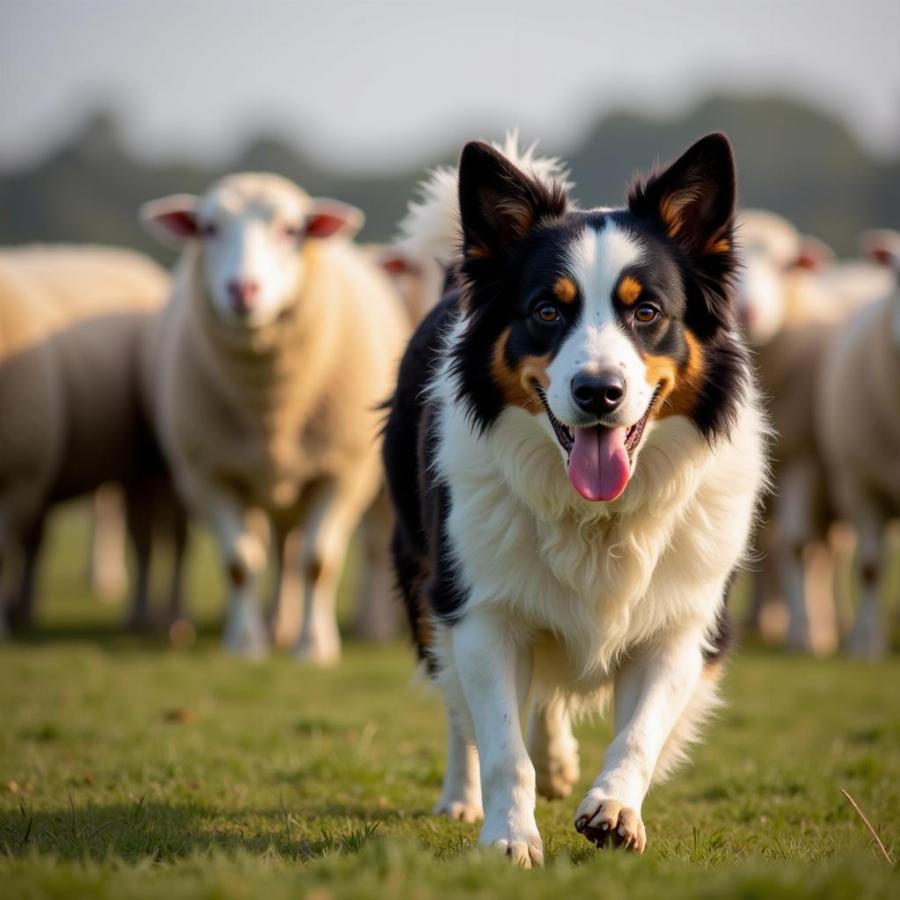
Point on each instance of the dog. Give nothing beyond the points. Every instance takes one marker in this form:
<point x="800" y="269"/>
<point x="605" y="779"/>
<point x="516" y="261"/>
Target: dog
<point x="575" y="452"/>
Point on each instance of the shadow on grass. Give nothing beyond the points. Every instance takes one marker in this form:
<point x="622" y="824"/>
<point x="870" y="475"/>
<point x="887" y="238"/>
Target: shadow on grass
<point x="167" y="832"/>
<point x="111" y="636"/>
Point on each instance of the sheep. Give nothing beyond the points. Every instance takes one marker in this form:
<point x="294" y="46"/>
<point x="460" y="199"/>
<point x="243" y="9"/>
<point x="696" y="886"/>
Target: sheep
<point x="70" y="416"/>
<point x="279" y="344"/>
<point x="858" y="422"/>
<point x="418" y="279"/>
<point x="791" y="297"/>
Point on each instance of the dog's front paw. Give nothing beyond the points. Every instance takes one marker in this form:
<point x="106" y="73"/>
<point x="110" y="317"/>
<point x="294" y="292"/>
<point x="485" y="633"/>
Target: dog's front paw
<point x="522" y="845"/>
<point x="602" y="820"/>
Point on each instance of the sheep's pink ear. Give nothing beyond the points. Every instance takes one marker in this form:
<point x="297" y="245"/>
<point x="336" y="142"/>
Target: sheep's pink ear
<point x="328" y="218"/>
<point x="882" y="246"/>
<point x="396" y="262"/>
<point x="173" y="220"/>
<point x="814" y="254"/>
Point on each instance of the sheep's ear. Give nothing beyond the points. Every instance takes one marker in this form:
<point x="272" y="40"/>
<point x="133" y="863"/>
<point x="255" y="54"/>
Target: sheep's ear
<point x="882" y="246"/>
<point x="693" y="199"/>
<point x="172" y="220"/>
<point x="396" y="262"/>
<point x="330" y="218"/>
<point x="814" y="254"/>
<point x="498" y="203"/>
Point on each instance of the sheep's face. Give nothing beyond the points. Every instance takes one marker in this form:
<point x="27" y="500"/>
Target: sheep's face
<point x="772" y="252"/>
<point x="760" y="298"/>
<point x="251" y="262"/>
<point x="769" y="246"/>
<point x="883" y="246"/>
<point x="249" y="231"/>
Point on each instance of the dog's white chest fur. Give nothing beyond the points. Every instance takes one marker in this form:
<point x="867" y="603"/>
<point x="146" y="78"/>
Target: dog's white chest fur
<point x="599" y="578"/>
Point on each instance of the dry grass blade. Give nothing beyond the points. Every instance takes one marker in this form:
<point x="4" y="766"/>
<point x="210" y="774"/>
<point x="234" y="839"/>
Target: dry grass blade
<point x="868" y="825"/>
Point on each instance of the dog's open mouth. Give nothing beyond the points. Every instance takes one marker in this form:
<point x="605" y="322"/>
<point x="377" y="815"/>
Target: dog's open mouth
<point x="564" y="433"/>
<point x="598" y="457"/>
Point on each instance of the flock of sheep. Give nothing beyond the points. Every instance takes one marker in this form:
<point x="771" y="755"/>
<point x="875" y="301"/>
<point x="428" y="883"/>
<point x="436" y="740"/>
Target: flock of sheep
<point x="245" y="390"/>
<point x="826" y="336"/>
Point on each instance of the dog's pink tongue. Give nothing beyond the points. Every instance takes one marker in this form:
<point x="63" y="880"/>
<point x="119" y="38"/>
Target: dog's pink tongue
<point x="598" y="464"/>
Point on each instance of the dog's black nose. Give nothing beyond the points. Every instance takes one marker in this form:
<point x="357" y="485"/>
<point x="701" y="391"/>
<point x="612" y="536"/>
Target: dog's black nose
<point x="598" y="394"/>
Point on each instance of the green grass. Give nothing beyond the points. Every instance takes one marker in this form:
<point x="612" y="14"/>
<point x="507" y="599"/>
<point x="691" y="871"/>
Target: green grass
<point x="131" y="770"/>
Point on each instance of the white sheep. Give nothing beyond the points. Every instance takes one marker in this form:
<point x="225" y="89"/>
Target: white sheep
<point x="858" y="418"/>
<point x="70" y="412"/>
<point x="268" y="369"/>
<point x="792" y="295"/>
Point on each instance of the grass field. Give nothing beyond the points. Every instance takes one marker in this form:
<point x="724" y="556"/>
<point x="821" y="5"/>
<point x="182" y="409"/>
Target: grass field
<point x="131" y="770"/>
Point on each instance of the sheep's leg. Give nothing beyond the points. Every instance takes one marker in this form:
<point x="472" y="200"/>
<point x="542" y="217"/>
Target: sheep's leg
<point x="139" y="516"/>
<point x="3" y="613"/>
<point x="842" y="544"/>
<point x="107" y="573"/>
<point x="767" y="615"/>
<point x="377" y="609"/>
<point x="21" y="608"/>
<point x="869" y="635"/>
<point x="818" y="580"/>
<point x="243" y="554"/>
<point x="332" y="513"/>
<point x="286" y="607"/>
<point x="793" y="510"/>
<point x="21" y="505"/>
<point x="177" y="516"/>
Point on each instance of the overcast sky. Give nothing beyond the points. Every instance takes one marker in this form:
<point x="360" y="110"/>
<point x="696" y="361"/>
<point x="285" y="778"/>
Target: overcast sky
<point x="382" y="83"/>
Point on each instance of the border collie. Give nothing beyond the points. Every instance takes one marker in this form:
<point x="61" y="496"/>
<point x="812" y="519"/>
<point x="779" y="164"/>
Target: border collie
<point x="574" y="451"/>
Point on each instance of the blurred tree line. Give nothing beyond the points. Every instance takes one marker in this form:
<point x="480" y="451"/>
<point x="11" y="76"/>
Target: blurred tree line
<point x="792" y="158"/>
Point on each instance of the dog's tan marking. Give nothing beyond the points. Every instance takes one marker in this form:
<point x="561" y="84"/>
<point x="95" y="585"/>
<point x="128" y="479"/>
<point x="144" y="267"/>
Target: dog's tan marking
<point x="722" y="245"/>
<point x="564" y="289"/>
<point x="672" y="207"/>
<point x="518" y="214"/>
<point x="629" y="290"/>
<point x="671" y="211"/>
<point x="678" y="387"/>
<point x="516" y="384"/>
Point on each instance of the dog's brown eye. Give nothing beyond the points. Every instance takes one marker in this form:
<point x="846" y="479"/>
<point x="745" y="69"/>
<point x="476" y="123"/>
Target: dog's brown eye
<point x="292" y="231"/>
<point x="548" y="313"/>
<point x="646" y="313"/>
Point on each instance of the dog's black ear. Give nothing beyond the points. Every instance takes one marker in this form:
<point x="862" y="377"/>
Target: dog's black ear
<point x="693" y="202"/>
<point x="498" y="203"/>
<point x="693" y="198"/>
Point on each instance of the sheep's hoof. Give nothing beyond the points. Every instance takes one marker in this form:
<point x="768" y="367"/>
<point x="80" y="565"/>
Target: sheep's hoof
<point x="246" y="639"/>
<point x="323" y="654"/>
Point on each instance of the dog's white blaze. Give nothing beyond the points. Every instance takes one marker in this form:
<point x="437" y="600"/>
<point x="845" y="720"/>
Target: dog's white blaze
<point x="598" y="342"/>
